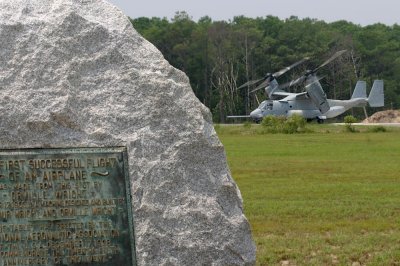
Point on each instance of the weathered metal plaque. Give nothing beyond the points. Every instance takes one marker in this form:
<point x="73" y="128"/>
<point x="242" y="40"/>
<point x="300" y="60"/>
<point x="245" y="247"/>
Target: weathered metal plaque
<point x="65" y="207"/>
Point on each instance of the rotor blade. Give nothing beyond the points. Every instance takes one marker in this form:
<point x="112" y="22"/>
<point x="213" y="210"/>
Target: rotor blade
<point x="321" y="78"/>
<point x="262" y="85"/>
<point x="318" y="79"/>
<point x="302" y="78"/>
<point x="258" y="102"/>
<point x="286" y="69"/>
<point x="276" y="74"/>
<point x="333" y="57"/>
<point x="296" y="82"/>
<point x="249" y="83"/>
<point x="292" y="83"/>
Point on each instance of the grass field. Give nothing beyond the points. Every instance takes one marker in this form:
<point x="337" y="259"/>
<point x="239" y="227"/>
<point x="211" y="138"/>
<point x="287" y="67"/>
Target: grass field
<point x="319" y="198"/>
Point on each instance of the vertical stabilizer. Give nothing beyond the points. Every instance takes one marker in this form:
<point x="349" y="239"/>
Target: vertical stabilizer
<point x="376" y="96"/>
<point x="360" y="90"/>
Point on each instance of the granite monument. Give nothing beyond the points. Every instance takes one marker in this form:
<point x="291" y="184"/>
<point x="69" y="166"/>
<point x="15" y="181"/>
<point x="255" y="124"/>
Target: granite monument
<point x="76" y="74"/>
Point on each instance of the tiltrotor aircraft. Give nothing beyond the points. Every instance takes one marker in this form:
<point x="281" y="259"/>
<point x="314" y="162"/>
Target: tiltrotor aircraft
<point x="313" y="103"/>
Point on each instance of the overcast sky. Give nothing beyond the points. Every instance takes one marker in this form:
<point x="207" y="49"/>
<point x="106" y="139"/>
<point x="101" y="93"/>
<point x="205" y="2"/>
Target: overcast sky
<point x="357" y="11"/>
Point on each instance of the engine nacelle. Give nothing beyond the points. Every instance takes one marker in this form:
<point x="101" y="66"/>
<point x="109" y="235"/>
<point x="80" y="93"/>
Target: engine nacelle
<point x="318" y="96"/>
<point x="271" y="88"/>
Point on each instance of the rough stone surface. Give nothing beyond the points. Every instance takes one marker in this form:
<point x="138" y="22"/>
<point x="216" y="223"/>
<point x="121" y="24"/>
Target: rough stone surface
<point x="74" y="73"/>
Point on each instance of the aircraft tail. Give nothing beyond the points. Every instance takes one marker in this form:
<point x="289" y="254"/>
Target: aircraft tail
<point x="376" y="96"/>
<point x="360" y="91"/>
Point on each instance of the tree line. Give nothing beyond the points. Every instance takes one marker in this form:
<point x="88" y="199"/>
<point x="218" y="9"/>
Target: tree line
<point x="219" y="56"/>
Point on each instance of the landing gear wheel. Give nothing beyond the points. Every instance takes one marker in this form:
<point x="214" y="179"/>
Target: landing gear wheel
<point x="320" y="121"/>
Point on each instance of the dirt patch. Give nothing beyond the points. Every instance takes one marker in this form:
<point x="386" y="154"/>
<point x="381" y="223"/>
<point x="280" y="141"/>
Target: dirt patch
<point x="388" y="116"/>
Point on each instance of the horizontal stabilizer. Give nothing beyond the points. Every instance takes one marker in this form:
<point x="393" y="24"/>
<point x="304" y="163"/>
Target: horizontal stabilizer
<point x="238" y="116"/>
<point x="376" y="96"/>
<point x="360" y="91"/>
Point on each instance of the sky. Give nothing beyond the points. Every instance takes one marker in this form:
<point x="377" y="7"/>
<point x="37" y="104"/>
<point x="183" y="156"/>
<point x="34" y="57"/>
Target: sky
<point x="362" y="12"/>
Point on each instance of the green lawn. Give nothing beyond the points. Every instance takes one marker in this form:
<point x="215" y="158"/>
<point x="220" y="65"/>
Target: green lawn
<point x="319" y="198"/>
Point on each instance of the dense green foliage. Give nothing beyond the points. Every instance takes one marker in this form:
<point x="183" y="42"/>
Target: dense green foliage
<point x="281" y="124"/>
<point x="349" y="120"/>
<point x="219" y="56"/>
<point x="319" y="198"/>
<point x="378" y="129"/>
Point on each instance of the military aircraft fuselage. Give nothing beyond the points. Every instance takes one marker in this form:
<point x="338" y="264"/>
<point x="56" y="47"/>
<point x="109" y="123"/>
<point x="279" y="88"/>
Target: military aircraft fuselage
<point x="304" y="107"/>
<point x="312" y="103"/>
<point x="285" y="108"/>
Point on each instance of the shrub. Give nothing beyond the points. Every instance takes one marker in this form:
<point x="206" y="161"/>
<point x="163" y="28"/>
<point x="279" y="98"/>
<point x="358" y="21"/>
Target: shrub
<point x="349" y="120"/>
<point x="377" y="129"/>
<point x="280" y="124"/>
<point x="272" y="124"/>
<point x="294" y="124"/>
<point x="247" y="124"/>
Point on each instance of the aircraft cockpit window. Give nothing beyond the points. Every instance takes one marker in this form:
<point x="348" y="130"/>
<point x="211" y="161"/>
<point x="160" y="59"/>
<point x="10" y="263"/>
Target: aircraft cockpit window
<point x="266" y="106"/>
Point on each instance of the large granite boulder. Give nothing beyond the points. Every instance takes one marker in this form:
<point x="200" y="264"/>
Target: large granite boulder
<point x="74" y="73"/>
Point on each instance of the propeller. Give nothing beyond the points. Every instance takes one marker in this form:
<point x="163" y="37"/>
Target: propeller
<point x="297" y="81"/>
<point x="270" y="76"/>
<point x="286" y="69"/>
<point x="311" y="72"/>
<point x="263" y="84"/>
<point x="249" y="83"/>
<point x="333" y="57"/>
<point x="293" y="82"/>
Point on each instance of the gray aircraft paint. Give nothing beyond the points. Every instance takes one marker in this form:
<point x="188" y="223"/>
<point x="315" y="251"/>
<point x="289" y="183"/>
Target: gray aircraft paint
<point x="301" y="104"/>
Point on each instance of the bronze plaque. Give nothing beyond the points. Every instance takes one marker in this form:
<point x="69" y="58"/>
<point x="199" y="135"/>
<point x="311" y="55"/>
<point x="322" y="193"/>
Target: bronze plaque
<point x="65" y="207"/>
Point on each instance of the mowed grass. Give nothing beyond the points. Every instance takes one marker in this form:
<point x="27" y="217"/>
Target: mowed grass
<point x="319" y="198"/>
